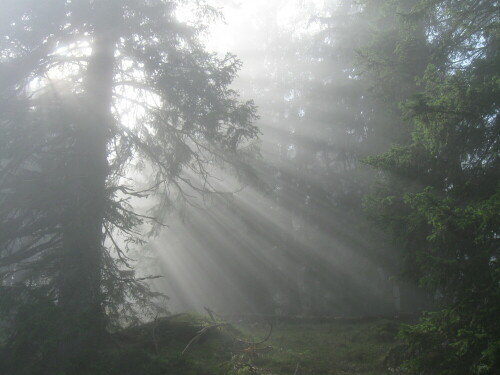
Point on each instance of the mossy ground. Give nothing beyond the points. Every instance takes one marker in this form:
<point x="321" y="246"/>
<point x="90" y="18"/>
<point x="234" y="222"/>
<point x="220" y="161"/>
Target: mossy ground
<point x="296" y="346"/>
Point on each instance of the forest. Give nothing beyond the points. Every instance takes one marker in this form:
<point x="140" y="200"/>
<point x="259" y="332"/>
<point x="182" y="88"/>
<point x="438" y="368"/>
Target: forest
<point x="230" y="187"/>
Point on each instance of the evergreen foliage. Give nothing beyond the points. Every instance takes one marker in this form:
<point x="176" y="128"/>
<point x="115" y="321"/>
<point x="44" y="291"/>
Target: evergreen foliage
<point x="92" y="93"/>
<point x="439" y="190"/>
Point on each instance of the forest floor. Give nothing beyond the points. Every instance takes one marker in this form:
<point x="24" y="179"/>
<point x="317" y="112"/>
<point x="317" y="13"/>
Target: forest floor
<point x="187" y="344"/>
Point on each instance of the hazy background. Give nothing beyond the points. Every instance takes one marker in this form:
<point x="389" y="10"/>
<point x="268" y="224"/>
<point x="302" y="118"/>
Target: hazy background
<point x="291" y="239"/>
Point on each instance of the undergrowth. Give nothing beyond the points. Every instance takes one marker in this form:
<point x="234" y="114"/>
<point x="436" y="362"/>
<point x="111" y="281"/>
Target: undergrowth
<point x="295" y="346"/>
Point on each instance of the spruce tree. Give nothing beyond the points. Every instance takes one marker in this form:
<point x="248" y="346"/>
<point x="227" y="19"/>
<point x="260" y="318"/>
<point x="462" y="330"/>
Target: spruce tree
<point x="90" y="89"/>
<point x="438" y="189"/>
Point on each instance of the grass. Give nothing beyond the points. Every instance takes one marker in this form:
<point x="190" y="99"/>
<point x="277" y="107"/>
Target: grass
<point x="296" y="346"/>
<point x="335" y="347"/>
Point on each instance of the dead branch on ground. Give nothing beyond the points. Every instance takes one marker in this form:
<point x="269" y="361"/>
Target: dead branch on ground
<point x="200" y="333"/>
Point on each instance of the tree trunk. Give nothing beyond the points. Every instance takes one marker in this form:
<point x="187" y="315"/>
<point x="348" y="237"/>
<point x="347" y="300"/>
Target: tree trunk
<point x="80" y="281"/>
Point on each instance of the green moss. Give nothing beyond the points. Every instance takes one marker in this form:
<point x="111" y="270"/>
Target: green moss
<point x="330" y="347"/>
<point x="335" y="347"/>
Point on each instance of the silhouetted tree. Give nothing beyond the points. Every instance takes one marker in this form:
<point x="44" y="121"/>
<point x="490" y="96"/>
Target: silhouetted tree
<point x="92" y="91"/>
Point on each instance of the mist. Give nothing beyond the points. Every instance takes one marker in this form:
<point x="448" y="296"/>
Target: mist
<point x="249" y="187"/>
<point x="284" y="239"/>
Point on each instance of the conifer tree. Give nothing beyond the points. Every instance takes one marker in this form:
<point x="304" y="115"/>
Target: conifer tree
<point x="438" y="189"/>
<point x="90" y="89"/>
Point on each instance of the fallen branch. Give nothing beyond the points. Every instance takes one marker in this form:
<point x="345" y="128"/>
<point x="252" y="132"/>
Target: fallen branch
<point x="212" y="314"/>
<point x="249" y="343"/>
<point x="199" y="334"/>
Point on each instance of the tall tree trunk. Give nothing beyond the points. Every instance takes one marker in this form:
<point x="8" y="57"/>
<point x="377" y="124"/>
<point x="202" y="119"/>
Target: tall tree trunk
<point x="81" y="275"/>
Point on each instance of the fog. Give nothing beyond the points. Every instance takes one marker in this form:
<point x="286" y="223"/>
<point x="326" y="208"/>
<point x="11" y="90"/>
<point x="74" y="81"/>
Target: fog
<point x="281" y="239"/>
<point x="328" y="167"/>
